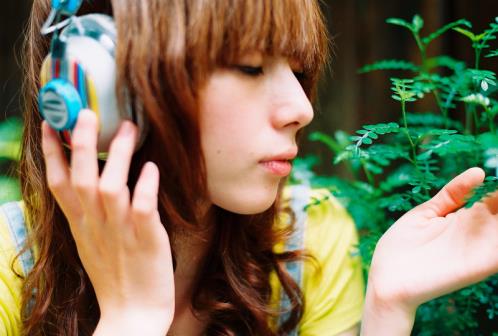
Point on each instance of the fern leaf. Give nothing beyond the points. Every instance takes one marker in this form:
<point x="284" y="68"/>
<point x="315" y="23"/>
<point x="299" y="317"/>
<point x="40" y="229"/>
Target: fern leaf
<point x="446" y="61"/>
<point x="493" y="53"/>
<point x="400" y="22"/>
<point x="392" y="64"/>
<point x="447" y="144"/>
<point x="417" y="23"/>
<point x="402" y="89"/>
<point x="327" y="140"/>
<point x="467" y="33"/>
<point x="489" y="186"/>
<point x="442" y="30"/>
<point x="432" y="121"/>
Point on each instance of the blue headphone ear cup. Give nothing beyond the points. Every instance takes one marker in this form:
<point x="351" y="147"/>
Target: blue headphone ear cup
<point x="89" y="64"/>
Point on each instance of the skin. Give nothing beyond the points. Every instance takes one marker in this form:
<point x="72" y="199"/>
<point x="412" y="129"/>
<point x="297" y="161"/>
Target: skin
<point x="432" y="250"/>
<point x="259" y="115"/>
<point x="99" y="206"/>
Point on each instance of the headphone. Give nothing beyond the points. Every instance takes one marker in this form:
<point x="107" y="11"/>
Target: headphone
<point x="80" y="72"/>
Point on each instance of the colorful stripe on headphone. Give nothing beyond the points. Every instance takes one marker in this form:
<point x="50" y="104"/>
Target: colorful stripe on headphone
<point x="72" y="71"/>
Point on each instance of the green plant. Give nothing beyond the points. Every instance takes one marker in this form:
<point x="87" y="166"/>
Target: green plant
<point x="398" y="165"/>
<point x="10" y="143"/>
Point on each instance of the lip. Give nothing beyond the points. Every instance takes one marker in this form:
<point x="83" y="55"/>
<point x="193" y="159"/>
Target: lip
<point x="278" y="167"/>
<point x="288" y="155"/>
<point x="280" y="164"/>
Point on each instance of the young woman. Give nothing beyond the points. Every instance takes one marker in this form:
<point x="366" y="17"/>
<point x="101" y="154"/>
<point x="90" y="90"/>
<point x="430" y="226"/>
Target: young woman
<point x="194" y="232"/>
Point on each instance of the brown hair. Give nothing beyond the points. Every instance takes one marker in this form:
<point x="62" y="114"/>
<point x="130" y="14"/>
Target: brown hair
<point x="166" y="51"/>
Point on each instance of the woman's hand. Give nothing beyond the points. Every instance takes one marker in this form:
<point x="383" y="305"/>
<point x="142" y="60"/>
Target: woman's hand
<point x="123" y="245"/>
<point x="436" y="248"/>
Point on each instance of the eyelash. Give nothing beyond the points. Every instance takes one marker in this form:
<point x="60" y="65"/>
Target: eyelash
<point x="258" y="71"/>
<point x="250" y="70"/>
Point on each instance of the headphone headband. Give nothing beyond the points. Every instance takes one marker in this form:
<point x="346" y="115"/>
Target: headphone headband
<point x="66" y="7"/>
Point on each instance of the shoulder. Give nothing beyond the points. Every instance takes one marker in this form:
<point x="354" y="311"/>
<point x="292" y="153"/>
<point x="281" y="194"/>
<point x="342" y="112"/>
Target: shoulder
<point x="325" y="216"/>
<point x="12" y="238"/>
<point x="332" y="282"/>
<point x="328" y="230"/>
<point x="13" y="229"/>
<point x="13" y="233"/>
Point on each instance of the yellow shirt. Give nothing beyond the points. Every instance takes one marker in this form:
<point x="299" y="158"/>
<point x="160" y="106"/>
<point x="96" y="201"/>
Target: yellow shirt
<point x="10" y="283"/>
<point x="334" y="295"/>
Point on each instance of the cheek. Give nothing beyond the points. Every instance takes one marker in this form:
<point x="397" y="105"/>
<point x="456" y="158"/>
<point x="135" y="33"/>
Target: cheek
<point x="228" y="116"/>
<point x="231" y="124"/>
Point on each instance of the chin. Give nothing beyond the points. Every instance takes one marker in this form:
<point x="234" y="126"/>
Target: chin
<point x="246" y="202"/>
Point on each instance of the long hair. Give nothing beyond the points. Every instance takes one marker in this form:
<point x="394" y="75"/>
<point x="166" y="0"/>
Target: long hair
<point x="166" y="52"/>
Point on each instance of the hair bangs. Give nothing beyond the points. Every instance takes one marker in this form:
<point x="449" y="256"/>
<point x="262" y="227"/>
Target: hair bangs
<point x="291" y="28"/>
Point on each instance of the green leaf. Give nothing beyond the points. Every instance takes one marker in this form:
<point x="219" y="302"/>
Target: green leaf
<point x="383" y="128"/>
<point x="449" y="144"/>
<point x="10" y="138"/>
<point x="400" y="22"/>
<point x="367" y="141"/>
<point x="493" y="53"/>
<point x="10" y="149"/>
<point x="403" y="89"/>
<point x="489" y="186"/>
<point x="417" y="23"/>
<point x="389" y="65"/>
<point x="373" y="135"/>
<point x="442" y="30"/>
<point x="9" y="189"/>
<point x="446" y="61"/>
<point x="467" y="33"/>
<point x="327" y="140"/>
<point x="433" y="122"/>
<point x="302" y="170"/>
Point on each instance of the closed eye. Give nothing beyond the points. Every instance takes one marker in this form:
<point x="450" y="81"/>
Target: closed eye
<point x="250" y="70"/>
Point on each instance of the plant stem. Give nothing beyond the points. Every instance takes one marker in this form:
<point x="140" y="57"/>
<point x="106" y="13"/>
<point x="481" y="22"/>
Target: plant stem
<point x="425" y="70"/>
<point x="412" y="145"/>
<point x="369" y="176"/>
<point x="491" y="120"/>
<point x="422" y="49"/>
<point x="477" y="56"/>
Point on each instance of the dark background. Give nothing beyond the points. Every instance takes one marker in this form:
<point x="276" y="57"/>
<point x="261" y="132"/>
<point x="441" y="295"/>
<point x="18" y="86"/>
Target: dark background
<point x="360" y="36"/>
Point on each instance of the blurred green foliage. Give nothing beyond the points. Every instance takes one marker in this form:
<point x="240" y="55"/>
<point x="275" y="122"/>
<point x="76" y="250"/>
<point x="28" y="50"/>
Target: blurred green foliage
<point x="400" y="164"/>
<point x="10" y="144"/>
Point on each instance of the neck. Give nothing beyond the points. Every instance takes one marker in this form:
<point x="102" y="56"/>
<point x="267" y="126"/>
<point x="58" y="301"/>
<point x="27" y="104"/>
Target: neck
<point x="192" y="246"/>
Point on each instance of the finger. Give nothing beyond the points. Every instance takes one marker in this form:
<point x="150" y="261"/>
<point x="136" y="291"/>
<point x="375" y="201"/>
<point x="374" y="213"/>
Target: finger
<point x="144" y="214"/>
<point x="84" y="167"/>
<point x="113" y="187"/>
<point x="453" y="195"/>
<point x="58" y="175"/>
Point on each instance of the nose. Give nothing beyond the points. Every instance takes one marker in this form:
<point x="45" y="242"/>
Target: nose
<point x="292" y="108"/>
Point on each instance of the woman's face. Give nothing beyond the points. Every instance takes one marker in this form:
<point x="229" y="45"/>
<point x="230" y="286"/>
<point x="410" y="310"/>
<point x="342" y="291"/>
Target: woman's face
<point x="249" y="116"/>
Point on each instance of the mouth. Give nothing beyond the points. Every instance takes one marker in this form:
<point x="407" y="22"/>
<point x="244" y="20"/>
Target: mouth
<point x="280" y="164"/>
<point x="278" y="167"/>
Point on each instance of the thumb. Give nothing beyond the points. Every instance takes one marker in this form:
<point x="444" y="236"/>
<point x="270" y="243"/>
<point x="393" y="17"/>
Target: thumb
<point x="453" y="194"/>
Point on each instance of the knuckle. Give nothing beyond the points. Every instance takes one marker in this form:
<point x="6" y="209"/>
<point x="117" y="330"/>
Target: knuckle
<point x="143" y="209"/>
<point x="78" y="144"/>
<point x="81" y="185"/>
<point x="56" y="183"/>
<point x="108" y="190"/>
<point x="120" y="147"/>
